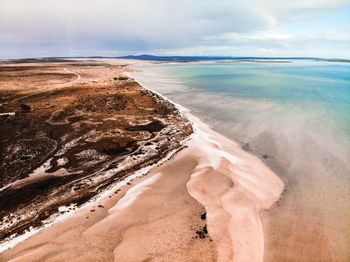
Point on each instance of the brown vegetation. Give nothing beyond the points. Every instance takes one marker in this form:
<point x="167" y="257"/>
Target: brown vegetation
<point x="64" y="139"/>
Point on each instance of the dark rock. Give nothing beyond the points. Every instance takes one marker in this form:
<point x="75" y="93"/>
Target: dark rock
<point x="202" y="232"/>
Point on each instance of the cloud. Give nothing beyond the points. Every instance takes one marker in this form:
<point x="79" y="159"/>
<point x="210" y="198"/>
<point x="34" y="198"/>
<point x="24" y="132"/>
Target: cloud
<point x="90" y="26"/>
<point x="152" y="21"/>
<point x="266" y="36"/>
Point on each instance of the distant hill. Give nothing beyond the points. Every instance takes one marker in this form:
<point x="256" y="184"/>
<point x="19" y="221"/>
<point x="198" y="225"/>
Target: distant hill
<point x="178" y="58"/>
<point x="175" y="58"/>
<point x="205" y="58"/>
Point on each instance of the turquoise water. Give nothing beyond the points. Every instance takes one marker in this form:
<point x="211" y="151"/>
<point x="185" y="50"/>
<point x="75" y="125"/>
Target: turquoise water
<point x="320" y="88"/>
<point x="296" y="117"/>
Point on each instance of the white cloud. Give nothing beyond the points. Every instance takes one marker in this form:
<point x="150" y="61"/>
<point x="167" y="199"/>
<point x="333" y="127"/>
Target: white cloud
<point x="267" y="36"/>
<point x="89" y="26"/>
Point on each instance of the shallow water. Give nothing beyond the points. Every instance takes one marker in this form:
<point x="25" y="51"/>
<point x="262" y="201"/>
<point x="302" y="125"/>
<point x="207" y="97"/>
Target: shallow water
<point x="296" y="117"/>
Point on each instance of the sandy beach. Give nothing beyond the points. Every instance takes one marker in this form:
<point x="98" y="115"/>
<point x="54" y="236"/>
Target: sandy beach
<point x="158" y="216"/>
<point x="204" y="204"/>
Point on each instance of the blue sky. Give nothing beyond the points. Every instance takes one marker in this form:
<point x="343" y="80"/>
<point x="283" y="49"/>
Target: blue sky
<point x="37" y="28"/>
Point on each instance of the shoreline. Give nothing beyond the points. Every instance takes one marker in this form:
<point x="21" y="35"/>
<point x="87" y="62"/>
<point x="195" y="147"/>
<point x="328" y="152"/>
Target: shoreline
<point x="307" y="147"/>
<point x="232" y="184"/>
<point x="257" y="200"/>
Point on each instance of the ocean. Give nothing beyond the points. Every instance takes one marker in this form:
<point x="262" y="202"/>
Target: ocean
<point x="294" y="115"/>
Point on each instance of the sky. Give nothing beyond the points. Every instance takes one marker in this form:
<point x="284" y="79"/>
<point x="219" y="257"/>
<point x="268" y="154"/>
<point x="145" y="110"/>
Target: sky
<point x="43" y="28"/>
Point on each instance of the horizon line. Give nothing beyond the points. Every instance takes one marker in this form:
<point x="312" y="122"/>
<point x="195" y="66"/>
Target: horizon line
<point x="152" y="57"/>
